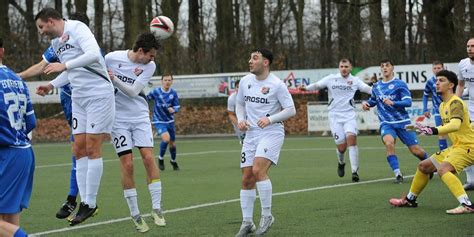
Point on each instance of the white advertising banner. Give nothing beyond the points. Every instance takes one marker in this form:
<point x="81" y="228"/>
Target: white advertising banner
<point x="414" y="75"/>
<point x="366" y="120"/>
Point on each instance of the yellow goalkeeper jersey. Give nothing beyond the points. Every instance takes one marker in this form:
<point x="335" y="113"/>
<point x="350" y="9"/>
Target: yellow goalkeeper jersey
<point x="456" y="108"/>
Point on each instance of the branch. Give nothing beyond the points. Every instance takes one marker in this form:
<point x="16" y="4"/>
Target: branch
<point x="22" y="12"/>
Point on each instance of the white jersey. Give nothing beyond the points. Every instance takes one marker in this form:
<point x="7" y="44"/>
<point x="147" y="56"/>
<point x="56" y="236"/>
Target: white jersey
<point x="231" y="102"/>
<point x="466" y="73"/>
<point x="130" y="108"/>
<point x="263" y="98"/>
<point x="341" y="91"/>
<point x="78" y="49"/>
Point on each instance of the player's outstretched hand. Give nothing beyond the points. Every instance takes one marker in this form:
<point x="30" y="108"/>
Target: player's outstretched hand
<point x="420" y="128"/>
<point x="44" y="89"/>
<point x="365" y="106"/>
<point x="263" y="122"/>
<point x="54" y="67"/>
<point x="243" y="125"/>
<point x="427" y="114"/>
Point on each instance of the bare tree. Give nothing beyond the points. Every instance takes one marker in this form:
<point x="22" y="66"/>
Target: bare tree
<point x="257" y="22"/>
<point x="194" y="34"/>
<point x="326" y="33"/>
<point x="4" y="22"/>
<point x="471" y="17"/>
<point x="297" y="11"/>
<point x="225" y="35"/>
<point x="377" y="33"/>
<point x="343" y="29"/>
<point x="440" y="29"/>
<point x="98" y="18"/>
<point x="81" y="6"/>
<point x="397" y="19"/>
<point x="58" y="5"/>
<point x="168" y="59"/>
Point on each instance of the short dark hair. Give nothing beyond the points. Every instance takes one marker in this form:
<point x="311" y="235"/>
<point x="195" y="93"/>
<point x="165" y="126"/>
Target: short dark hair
<point x="451" y="76"/>
<point x="48" y="12"/>
<point x="345" y="60"/>
<point x="79" y="16"/>
<point x="146" y="41"/>
<point x="387" y="61"/>
<point x="437" y="62"/>
<point x="167" y="74"/>
<point x="265" y="53"/>
<point x="1" y="43"/>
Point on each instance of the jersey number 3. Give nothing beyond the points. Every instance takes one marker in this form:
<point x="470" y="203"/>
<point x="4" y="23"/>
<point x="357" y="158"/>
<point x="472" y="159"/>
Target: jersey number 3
<point x="16" y="109"/>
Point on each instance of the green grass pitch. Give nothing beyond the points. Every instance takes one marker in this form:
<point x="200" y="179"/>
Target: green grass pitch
<point x="202" y="198"/>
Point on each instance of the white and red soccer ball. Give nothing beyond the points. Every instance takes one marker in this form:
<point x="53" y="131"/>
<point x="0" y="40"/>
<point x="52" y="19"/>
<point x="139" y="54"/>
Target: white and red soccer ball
<point x="162" y="27"/>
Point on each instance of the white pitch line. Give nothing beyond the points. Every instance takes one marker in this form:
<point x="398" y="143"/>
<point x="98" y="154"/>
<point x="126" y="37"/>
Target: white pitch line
<point x="228" y="151"/>
<point x="209" y="205"/>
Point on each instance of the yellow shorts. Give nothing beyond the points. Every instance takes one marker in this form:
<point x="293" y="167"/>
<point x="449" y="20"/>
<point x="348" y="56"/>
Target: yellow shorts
<point x="458" y="157"/>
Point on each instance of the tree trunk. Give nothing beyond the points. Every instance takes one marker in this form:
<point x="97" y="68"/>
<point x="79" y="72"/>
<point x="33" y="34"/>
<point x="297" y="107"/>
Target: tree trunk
<point x="257" y="22"/>
<point x="356" y="33"/>
<point x="471" y="18"/>
<point x="32" y="34"/>
<point x="81" y="6"/>
<point x="225" y="35"/>
<point x="98" y="18"/>
<point x="58" y="5"/>
<point x="127" y="21"/>
<point x="343" y="30"/>
<point x="194" y="34"/>
<point x="168" y="59"/>
<point x="5" y="24"/>
<point x="68" y="7"/>
<point x="377" y="33"/>
<point x="297" y="11"/>
<point x="397" y="19"/>
<point x="459" y="23"/>
<point x="440" y="30"/>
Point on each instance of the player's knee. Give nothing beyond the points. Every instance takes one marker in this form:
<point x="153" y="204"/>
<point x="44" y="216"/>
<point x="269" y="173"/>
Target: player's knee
<point x="127" y="166"/>
<point x="248" y="181"/>
<point x="425" y="167"/>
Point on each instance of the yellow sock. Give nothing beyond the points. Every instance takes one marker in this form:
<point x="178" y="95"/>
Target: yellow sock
<point x="155" y="180"/>
<point x="454" y="185"/>
<point x="419" y="182"/>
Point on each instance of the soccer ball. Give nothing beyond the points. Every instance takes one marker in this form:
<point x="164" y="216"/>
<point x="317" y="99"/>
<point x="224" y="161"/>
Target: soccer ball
<point x="162" y="27"/>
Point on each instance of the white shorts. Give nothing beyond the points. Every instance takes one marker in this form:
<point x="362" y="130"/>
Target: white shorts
<point x="264" y="144"/>
<point x="126" y="135"/>
<point x="93" y="115"/>
<point x="341" y="124"/>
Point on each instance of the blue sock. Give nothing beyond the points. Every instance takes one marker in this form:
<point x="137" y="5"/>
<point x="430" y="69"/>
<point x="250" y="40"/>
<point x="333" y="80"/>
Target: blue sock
<point x="443" y="144"/>
<point x="73" y="189"/>
<point x="173" y="153"/>
<point x="393" y="162"/>
<point x="163" y="146"/>
<point x="20" y="233"/>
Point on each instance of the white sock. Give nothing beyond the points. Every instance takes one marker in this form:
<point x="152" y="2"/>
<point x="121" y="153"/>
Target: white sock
<point x="469" y="174"/>
<point x="397" y="172"/>
<point x="160" y="158"/>
<point x="340" y="157"/>
<point x="247" y="199"/>
<point x="94" y="174"/>
<point x="464" y="199"/>
<point x="81" y="176"/>
<point x="155" y="192"/>
<point x="411" y="196"/>
<point x="132" y="201"/>
<point x="265" y="193"/>
<point x="354" y="158"/>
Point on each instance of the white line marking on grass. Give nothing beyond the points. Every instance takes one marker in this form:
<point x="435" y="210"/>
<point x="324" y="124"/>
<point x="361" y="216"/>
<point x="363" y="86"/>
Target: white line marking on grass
<point x="209" y="205"/>
<point x="227" y="151"/>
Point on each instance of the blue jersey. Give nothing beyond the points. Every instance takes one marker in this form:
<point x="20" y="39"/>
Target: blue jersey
<point x="17" y="117"/>
<point x="430" y="90"/>
<point x="163" y="100"/>
<point x="397" y="91"/>
<point x="50" y="57"/>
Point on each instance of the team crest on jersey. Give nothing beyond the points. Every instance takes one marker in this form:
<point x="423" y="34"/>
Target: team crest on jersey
<point x="265" y="150"/>
<point x="391" y="87"/>
<point x="171" y="97"/>
<point x="349" y="83"/>
<point x="265" y="90"/>
<point x="120" y="65"/>
<point x="248" y="87"/>
<point x="64" y="38"/>
<point x="137" y="71"/>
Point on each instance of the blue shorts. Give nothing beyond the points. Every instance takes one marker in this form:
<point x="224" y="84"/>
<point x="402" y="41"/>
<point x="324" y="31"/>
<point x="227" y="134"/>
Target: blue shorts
<point x="166" y="127"/>
<point x="17" y="167"/>
<point x="437" y="119"/>
<point x="407" y="137"/>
